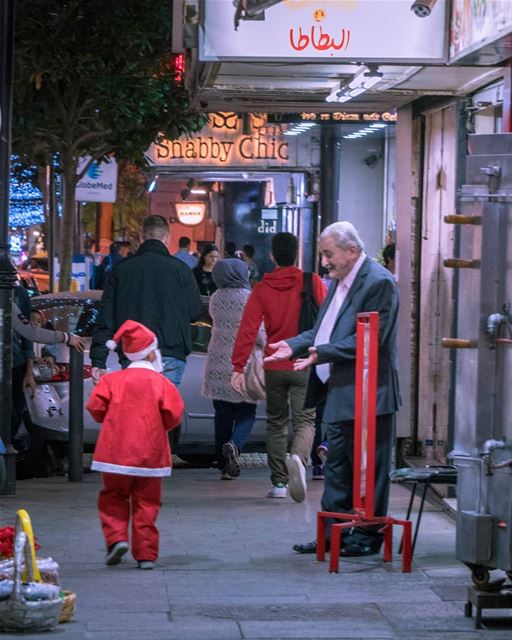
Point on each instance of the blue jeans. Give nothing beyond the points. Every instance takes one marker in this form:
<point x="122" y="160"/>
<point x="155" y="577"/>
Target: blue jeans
<point x="233" y="421"/>
<point x="173" y="369"/>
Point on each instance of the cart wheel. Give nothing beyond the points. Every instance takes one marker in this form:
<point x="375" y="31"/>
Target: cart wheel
<point x="480" y="576"/>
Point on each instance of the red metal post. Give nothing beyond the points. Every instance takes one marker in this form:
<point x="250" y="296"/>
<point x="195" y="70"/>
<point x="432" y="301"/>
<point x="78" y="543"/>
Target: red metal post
<point x="365" y="422"/>
<point x="367" y="353"/>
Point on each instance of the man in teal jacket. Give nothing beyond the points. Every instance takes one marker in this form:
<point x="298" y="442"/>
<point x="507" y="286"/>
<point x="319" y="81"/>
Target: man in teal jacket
<point x="358" y="285"/>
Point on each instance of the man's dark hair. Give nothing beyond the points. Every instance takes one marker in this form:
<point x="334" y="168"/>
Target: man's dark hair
<point x="285" y="247"/>
<point x="184" y="242"/>
<point x="114" y="247"/>
<point x="155" y="227"/>
<point x="249" y="250"/>
<point x="230" y="248"/>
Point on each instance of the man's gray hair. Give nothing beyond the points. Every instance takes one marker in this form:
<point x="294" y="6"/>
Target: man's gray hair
<point x="155" y="227"/>
<point x="344" y="235"/>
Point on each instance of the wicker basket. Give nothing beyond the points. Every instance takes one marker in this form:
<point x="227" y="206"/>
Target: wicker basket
<point x="68" y="608"/>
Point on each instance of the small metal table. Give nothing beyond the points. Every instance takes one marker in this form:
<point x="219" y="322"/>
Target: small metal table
<point x="435" y="474"/>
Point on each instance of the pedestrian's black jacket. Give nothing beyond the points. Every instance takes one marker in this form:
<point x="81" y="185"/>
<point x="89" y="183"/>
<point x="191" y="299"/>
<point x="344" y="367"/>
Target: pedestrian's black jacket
<point x="156" y="289"/>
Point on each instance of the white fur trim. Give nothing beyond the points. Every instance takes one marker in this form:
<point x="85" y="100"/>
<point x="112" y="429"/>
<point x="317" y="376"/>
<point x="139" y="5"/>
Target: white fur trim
<point x="111" y="344"/>
<point x="140" y="355"/>
<point x="142" y="364"/>
<point x="109" y="467"/>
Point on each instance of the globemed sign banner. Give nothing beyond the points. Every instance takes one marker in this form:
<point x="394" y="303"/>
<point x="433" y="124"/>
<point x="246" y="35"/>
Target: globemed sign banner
<point x="99" y="183"/>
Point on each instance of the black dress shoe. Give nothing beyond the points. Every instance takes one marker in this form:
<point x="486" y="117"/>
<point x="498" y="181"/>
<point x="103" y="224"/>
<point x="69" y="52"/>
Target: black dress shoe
<point x="355" y="550"/>
<point x="309" y="547"/>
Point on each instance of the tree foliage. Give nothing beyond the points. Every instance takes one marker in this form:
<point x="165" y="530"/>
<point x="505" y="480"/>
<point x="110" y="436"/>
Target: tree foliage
<point x="93" y="78"/>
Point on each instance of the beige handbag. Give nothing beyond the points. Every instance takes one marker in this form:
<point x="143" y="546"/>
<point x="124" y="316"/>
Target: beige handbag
<point x="255" y="375"/>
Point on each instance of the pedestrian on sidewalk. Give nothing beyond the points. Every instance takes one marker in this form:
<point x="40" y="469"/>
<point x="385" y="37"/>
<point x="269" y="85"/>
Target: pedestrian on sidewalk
<point x="153" y="288"/>
<point x="235" y="411"/>
<point x="277" y="301"/>
<point x="358" y="285"/>
<point x="136" y="406"/>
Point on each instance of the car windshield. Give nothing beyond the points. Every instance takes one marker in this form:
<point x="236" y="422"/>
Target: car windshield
<point x="77" y="313"/>
<point x="71" y="312"/>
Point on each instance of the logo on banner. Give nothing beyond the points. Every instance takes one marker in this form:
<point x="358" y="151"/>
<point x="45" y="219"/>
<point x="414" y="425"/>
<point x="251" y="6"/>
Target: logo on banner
<point x="94" y="171"/>
<point x="99" y="183"/>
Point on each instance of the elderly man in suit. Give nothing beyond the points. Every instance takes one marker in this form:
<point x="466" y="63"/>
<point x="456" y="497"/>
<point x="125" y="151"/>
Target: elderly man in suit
<point x="358" y="285"/>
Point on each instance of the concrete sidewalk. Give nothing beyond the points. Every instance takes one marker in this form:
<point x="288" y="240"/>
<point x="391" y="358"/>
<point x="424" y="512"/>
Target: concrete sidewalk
<point x="227" y="570"/>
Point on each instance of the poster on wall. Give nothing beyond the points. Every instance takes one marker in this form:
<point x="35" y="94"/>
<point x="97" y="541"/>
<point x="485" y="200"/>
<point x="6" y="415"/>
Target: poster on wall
<point x="475" y="24"/>
<point x="369" y="30"/>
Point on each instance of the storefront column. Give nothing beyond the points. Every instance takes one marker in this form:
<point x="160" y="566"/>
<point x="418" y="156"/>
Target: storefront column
<point x="506" y="125"/>
<point x="330" y="161"/>
<point x="104" y="228"/>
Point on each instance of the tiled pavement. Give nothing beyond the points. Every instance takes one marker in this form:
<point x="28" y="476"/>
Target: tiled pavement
<point x="227" y="570"/>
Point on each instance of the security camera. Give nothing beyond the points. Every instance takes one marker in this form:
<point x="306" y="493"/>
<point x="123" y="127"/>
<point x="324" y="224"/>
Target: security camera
<point x="422" y="8"/>
<point x="371" y="160"/>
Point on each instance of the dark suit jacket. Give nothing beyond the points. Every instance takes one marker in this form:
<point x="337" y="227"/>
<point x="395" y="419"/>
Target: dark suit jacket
<point x="374" y="289"/>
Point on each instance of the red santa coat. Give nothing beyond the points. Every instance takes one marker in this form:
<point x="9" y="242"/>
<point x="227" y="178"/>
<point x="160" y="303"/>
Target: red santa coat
<point x="137" y="407"/>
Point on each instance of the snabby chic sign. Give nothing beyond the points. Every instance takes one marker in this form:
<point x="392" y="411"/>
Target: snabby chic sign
<point x="223" y="143"/>
<point x="369" y="30"/>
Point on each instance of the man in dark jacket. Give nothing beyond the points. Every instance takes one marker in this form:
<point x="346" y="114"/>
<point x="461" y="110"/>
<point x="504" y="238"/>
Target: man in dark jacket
<point x="358" y="284"/>
<point x="156" y="289"/>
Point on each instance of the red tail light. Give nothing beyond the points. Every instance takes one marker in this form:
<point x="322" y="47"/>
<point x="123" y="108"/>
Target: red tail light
<point x="64" y="376"/>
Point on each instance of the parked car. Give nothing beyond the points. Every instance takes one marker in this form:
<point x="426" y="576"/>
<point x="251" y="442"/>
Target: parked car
<point x="35" y="275"/>
<point x="48" y="407"/>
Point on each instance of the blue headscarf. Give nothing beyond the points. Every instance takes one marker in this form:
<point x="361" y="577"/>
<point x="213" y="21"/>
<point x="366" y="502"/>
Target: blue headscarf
<point x="231" y="273"/>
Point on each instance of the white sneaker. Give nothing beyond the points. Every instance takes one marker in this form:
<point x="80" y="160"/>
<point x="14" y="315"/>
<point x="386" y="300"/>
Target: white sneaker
<point x="296" y="478"/>
<point x="278" y="491"/>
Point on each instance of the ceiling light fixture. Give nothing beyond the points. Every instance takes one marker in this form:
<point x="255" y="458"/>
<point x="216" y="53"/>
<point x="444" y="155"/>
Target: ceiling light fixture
<point x="297" y="129"/>
<point x="360" y="133"/>
<point x="365" y="78"/>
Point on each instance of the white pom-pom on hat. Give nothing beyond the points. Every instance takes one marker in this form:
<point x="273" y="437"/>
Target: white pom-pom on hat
<point x="136" y="340"/>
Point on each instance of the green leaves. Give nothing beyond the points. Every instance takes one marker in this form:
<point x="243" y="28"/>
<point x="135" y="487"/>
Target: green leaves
<point x="90" y="66"/>
<point x="93" y="77"/>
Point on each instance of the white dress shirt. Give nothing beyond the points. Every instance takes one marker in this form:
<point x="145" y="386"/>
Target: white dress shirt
<point x="323" y="335"/>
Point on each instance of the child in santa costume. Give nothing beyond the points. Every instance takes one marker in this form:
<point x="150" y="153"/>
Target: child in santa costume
<point x="136" y="406"/>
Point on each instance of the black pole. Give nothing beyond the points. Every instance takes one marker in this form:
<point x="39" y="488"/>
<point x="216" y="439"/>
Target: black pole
<point x="7" y="271"/>
<point x="76" y="416"/>
<point x="330" y="163"/>
<point x="51" y="220"/>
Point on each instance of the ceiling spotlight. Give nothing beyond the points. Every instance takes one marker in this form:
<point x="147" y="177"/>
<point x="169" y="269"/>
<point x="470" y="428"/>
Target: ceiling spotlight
<point x="365" y="78"/>
<point x="422" y="8"/>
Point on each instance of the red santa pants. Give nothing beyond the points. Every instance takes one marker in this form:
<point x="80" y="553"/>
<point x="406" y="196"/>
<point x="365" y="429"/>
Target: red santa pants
<point x="136" y="494"/>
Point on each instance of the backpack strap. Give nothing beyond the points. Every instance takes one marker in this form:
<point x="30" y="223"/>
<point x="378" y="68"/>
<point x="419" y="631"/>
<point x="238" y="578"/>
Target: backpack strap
<point x="307" y="284"/>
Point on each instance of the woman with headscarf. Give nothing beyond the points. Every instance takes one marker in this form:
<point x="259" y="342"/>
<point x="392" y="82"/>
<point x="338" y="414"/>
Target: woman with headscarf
<point x="234" y="412"/>
<point x="203" y="271"/>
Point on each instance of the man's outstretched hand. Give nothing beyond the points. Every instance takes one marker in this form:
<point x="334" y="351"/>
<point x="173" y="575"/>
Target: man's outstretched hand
<point x="283" y="351"/>
<point x="303" y="363"/>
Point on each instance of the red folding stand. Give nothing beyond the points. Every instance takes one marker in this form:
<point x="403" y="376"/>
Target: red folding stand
<point x="367" y="352"/>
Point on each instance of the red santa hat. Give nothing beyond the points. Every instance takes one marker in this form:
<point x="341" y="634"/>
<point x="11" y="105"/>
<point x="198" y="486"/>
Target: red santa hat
<point x="137" y="341"/>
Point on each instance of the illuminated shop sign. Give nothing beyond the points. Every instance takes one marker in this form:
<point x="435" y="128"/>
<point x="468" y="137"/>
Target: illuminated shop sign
<point x="227" y="142"/>
<point x="190" y="213"/>
<point x="335" y="116"/>
<point x="368" y="30"/>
